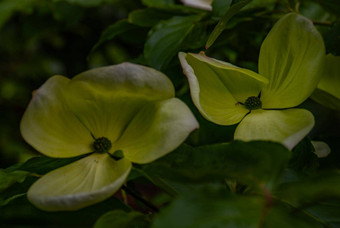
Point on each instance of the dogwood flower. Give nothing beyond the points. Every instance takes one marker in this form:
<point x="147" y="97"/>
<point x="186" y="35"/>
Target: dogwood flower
<point x="290" y="65"/>
<point x="327" y="92"/>
<point x="120" y="115"/>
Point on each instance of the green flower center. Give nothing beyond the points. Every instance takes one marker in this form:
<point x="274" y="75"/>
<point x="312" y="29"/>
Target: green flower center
<point x="102" y="145"/>
<point x="253" y="103"/>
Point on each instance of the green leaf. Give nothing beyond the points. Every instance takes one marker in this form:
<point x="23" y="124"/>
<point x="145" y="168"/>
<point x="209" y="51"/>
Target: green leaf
<point x="327" y="212"/>
<point x="5" y="201"/>
<point x="112" y="31"/>
<point x="304" y="160"/>
<point x="234" y="9"/>
<point x="9" y="7"/>
<point x="219" y="7"/>
<point x="210" y="209"/>
<point x="330" y="5"/>
<point x="43" y="165"/>
<point x="122" y="219"/>
<point x="317" y="196"/>
<point x="252" y="163"/>
<point x="7" y="179"/>
<point x="151" y="3"/>
<point x="316" y="12"/>
<point x="20" y="211"/>
<point x="148" y="17"/>
<point x="321" y="187"/>
<point x="326" y="99"/>
<point x="332" y="38"/>
<point x="196" y="39"/>
<point x="151" y="16"/>
<point x="268" y="4"/>
<point x="67" y="13"/>
<point x="15" y="191"/>
<point x="85" y="3"/>
<point x="283" y="216"/>
<point x="166" y="39"/>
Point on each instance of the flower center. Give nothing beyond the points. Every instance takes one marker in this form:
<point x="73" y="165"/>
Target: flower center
<point x="102" y="145"/>
<point x="253" y="103"/>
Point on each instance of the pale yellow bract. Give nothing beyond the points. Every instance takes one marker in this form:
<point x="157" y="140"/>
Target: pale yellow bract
<point x="328" y="89"/>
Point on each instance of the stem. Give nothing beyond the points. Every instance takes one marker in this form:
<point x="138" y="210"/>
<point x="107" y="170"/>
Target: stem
<point x="139" y="198"/>
<point x="297" y="7"/>
<point x="288" y="5"/>
<point x="268" y="205"/>
<point x="324" y="23"/>
<point x="234" y="187"/>
<point x="124" y="197"/>
<point x="159" y="182"/>
<point x="269" y="198"/>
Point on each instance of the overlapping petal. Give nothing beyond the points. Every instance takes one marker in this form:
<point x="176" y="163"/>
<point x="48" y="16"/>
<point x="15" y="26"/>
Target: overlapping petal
<point x="291" y="57"/>
<point x="157" y="129"/>
<point x="285" y="126"/>
<point x="79" y="184"/>
<point x="328" y="89"/>
<point x="49" y="125"/>
<point x="217" y="87"/>
<point x="106" y="99"/>
<point x="125" y="79"/>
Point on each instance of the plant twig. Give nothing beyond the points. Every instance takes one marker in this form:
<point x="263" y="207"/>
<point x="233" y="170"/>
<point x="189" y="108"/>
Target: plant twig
<point x="139" y="198"/>
<point x="268" y="205"/>
<point x="324" y="23"/>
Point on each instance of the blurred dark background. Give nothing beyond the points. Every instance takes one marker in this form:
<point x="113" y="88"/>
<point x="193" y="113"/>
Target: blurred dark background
<point x="39" y="39"/>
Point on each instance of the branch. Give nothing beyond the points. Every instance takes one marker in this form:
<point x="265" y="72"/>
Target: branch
<point x="139" y="198"/>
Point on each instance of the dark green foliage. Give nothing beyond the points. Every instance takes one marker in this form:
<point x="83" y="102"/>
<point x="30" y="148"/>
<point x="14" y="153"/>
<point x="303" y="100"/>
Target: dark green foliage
<point x="252" y="163"/>
<point x="208" y="181"/>
<point x="149" y="17"/>
<point x="9" y="178"/>
<point x="332" y="38"/>
<point x="166" y="39"/>
<point x="112" y="31"/>
<point x="304" y="160"/>
<point x="43" y="165"/>
<point x="22" y="213"/>
<point x="122" y="219"/>
<point x="235" y="7"/>
<point x="210" y="208"/>
<point x="282" y="216"/>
